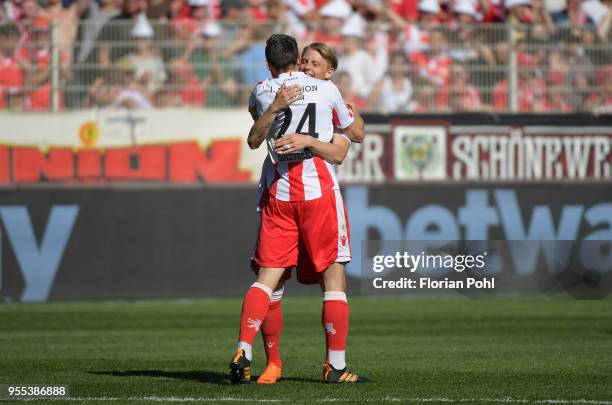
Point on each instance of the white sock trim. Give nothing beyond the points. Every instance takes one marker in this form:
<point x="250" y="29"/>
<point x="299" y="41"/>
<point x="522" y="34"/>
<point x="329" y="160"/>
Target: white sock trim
<point x="248" y="349"/>
<point x="263" y="287"/>
<point x="334" y="296"/>
<point x="337" y="358"/>
<point x="277" y="294"/>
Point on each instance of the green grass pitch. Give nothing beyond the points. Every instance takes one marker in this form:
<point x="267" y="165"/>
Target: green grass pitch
<point x="414" y="351"/>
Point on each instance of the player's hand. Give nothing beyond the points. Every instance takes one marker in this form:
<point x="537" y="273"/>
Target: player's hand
<point x="292" y="143"/>
<point x="286" y="95"/>
<point x="351" y="106"/>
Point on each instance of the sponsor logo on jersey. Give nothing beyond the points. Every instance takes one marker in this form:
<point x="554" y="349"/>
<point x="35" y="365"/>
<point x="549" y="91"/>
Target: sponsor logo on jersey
<point x="296" y="157"/>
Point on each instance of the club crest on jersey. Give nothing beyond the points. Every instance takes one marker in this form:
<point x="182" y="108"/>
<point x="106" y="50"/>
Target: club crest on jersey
<point x="329" y="328"/>
<point x="343" y="239"/>
<point x="270" y="344"/>
<point x="254" y="324"/>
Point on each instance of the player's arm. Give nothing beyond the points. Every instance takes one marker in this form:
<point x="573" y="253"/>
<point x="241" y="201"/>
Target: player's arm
<point x="349" y="121"/>
<point x="334" y="151"/>
<point x="284" y="97"/>
<point x="356" y="135"/>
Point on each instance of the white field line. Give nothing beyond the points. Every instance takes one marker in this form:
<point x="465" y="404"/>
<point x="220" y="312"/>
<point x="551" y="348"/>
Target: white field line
<point x="385" y="399"/>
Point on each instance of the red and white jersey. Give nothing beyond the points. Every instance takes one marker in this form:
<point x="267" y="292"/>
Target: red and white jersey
<point x="300" y="176"/>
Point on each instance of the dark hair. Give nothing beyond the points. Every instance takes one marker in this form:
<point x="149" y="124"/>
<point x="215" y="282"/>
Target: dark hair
<point x="399" y="54"/>
<point x="281" y="51"/>
<point x="326" y="53"/>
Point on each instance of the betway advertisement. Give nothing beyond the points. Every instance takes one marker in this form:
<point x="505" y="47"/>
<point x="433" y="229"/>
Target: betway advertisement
<point x="103" y="243"/>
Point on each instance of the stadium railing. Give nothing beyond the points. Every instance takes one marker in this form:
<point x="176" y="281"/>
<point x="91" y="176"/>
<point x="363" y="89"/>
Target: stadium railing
<point x="480" y="67"/>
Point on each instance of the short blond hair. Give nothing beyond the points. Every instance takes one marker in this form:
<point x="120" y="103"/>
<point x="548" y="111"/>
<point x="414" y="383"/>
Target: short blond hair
<point x="326" y="52"/>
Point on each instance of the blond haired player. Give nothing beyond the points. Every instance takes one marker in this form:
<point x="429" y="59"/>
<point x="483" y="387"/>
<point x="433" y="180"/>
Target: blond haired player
<point x="318" y="60"/>
<point x="303" y="204"/>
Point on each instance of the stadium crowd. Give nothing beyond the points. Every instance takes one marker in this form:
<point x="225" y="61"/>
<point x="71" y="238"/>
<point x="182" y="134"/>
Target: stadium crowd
<point x="394" y="55"/>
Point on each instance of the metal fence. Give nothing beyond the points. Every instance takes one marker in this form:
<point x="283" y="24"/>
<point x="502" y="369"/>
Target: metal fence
<point x="485" y="67"/>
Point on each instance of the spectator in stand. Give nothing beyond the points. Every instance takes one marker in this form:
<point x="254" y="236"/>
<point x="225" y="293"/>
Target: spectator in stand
<point x="531" y="92"/>
<point x="406" y="10"/>
<point x="297" y="14"/>
<point x="183" y="87"/>
<point x="541" y="16"/>
<point x="600" y="100"/>
<point x="572" y="16"/>
<point x="252" y="63"/>
<point x="604" y="28"/>
<point x="236" y="30"/>
<point x="425" y="99"/>
<point x="394" y="91"/>
<point x="490" y="11"/>
<point x="115" y="39"/>
<point x="519" y="11"/>
<point x="128" y="91"/>
<point x="461" y="95"/>
<point x="345" y="85"/>
<point x="370" y="10"/>
<point x="257" y="10"/>
<point x="434" y="65"/>
<point x="11" y="10"/>
<point x="557" y="92"/>
<point x="38" y="72"/>
<point x="66" y="18"/>
<point x="195" y="22"/>
<point x="11" y="68"/>
<point x="581" y="70"/>
<point x="360" y="65"/>
<point x="464" y="12"/>
<point x="415" y="37"/>
<point x="178" y="9"/>
<point x="215" y="72"/>
<point x="467" y="43"/>
<point x="333" y="16"/>
<point x="148" y="66"/>
<point x="93" y="16"/>
<point x="280" y="19"/>
<point x="173" y="9"/>
<point x="101" y="91"/>
<point x="29" y="10"/>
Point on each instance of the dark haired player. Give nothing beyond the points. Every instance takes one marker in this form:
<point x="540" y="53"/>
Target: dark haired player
<point x="303" y="204"/>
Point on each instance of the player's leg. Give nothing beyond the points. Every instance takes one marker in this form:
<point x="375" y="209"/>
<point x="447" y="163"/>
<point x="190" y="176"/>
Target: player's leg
<point x="335" y="315"/>
<point x="328" y="250"/>
<point x="335" y="319"/>
<point x="271" y="329"/>
<point x="276" y="250"/>
<point x="254" y="310"/>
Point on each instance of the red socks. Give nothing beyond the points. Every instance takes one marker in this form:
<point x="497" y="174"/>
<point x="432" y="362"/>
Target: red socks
<point x="254" y="310"/>
<point x="271" y="329"/>
<point x="335" y="321"/>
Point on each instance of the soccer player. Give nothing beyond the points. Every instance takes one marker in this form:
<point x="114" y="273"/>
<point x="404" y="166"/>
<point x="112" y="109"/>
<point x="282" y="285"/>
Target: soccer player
<point x="304" y="203"/>
<point x="318" y="60"/>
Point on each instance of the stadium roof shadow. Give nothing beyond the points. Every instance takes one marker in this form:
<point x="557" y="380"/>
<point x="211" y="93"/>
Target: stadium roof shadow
<point x="203" y="376"/>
